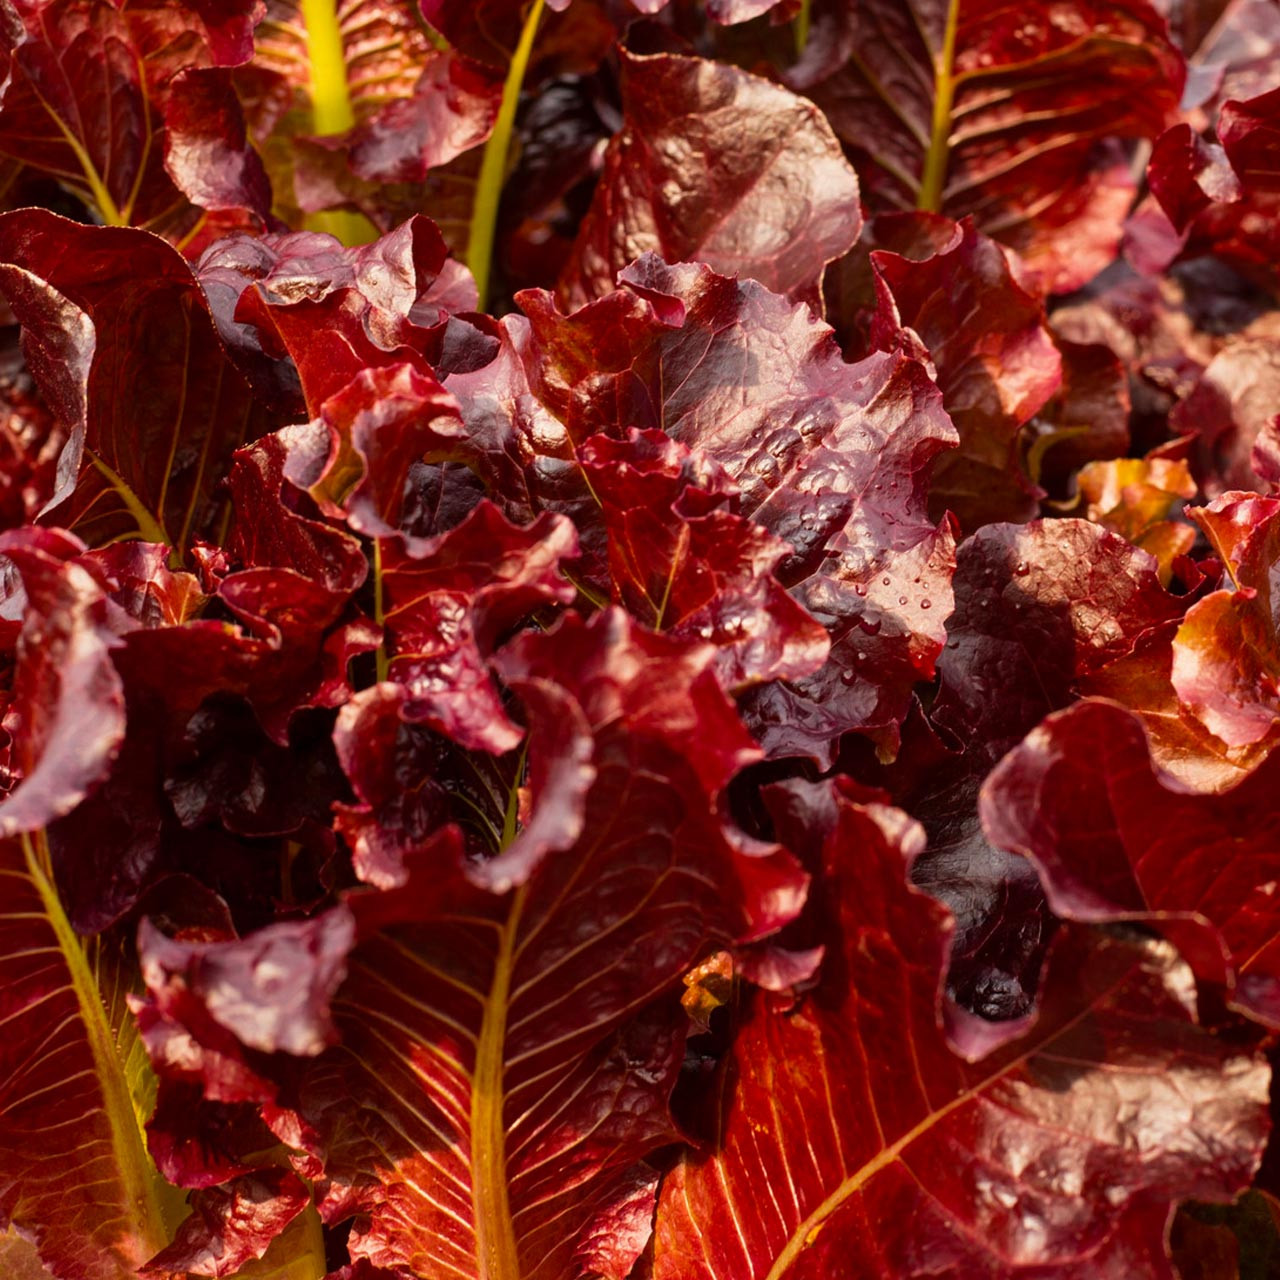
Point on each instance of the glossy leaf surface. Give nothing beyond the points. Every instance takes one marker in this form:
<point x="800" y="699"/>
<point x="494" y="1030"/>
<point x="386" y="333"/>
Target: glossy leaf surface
<point x="106" y="308"/>
<point x="764" y="189"/>
<point x="819" y="1109"/>
<point x="968" y="107"/>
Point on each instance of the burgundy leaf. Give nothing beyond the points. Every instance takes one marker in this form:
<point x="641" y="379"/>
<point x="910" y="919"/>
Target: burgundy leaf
<point x="387" y="102"/>
<point x="1038" y="608"/>
<point x="232" y="1224"/>
<point x="451" y="109"/>
<point x="1228" y="408"/>
<point x="388" y="428"/>
<point x="1224" y="199"/>
<point x="507" y="1070"/>
<point x="446" y="606"/>
<point x="333" y="311"/>
<point x="271" y="989"/>
<point x="970" y="108"/>
<point x="681" y="563"/>
<point x="132" y="106"/>
<point x="30" y="441"/>
<point x="74" y="1171"/>
<point x="66" y="710"/>
<point x="760" y="188"/>
<point x="1226" y="657"/>
<point x="271" y="528"/>
<point x="833" y="458"/>
<point x="104" y="308"/>
<point x="1086" y="421"/>
<point x="853" y="1135"/>
<point x="995" y="363"/>
<point x="1114" y="840"/>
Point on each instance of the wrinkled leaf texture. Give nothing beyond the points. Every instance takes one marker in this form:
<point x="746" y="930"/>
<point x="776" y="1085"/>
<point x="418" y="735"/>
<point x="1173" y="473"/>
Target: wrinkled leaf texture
<point x="855" y="1140"/>
<point x="971" y="107"/>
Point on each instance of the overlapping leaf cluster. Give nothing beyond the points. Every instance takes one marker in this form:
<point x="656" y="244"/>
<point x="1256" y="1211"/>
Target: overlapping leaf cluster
<point x="641" y="640"/>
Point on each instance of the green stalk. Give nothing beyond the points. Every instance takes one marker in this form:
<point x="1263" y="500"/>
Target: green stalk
<point x="381" y="661"/>
<point x="935" y="160"/>
<point x="138" y="1178"/>
<point x="493" y="167"/>
<point x="801" y="27"/>
<point x="331" y="110"/>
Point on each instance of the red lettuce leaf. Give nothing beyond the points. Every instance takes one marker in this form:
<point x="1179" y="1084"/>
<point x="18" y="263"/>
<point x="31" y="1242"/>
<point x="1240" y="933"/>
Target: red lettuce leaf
<point x="333" y="311"/>
<point x="367" y="93"/>
<point x="65" y="712"/>
<point x="1086" y="421"/>
<point x="853" y="1135"/>
<point x="1135" y="497"/>
<point x="446" y="606"/>
<point x="30" y="442"/>
<point x="996" y="364"/>
<point x="232" y="1225"/>
<point x="1038" y="608"/>
<point x="271" y="990"/>
<point x="387" y="428"/>
<point x="760" y="189"/>
<point x="1223" y="199"/>
<point x="1113" y="839"/>
<point x="74" y="1171"/>
<point x="1228" y="409"/>
<point x="680" y="562"/>
<point x="1002" y="923"/>
<point x="498" y="1036"/>
<point x="833" y="458"/>
<point x="969" y="108"/>
<point x="105" y="308"/>
<point x="1226" y="656"/>
<point x="134" y="109"/>
<point x="1181" y="745"/>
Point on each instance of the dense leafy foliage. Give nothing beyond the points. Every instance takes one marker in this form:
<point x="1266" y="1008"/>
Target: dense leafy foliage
<point x="641" y="639"/>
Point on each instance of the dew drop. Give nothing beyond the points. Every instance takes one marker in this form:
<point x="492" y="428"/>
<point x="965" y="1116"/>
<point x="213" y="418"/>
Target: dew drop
<point x="926" y="604"/>
<point x="849" y="675"/>
<point x="902" y="599"/>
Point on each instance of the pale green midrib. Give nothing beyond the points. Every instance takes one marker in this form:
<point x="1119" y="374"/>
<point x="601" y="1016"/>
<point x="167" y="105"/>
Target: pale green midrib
<point x="382" y="659"/>
<point x="807" y="1231"/>
<point x="802" y="27"/>
<point x="107" y="207"/>
<point x="331" y="109"/>
<point x="149" y="525"/>
<point x="496" y="1251"/>
<point x="493" y="165"/>
<point x="311" y="1264"/>
<point x="934" y="173"/>
<point x="138" y="1178"/>
<point x="495" y="1232"/>
<point x="330" y="95"/>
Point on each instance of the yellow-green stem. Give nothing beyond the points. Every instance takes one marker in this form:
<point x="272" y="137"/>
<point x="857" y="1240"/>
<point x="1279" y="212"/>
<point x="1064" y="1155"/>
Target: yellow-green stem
<point x="495" y="1232"/>
<point x="331" y="110"/>
<point x="493" y="167"/>
<point x="137" y="1174"/>
<point x="935" y="160"/>
<point x="382" y="662"/>
<point x="149" y="527"/>
<point x="801" y="28"/>
<point x="101" y="197"/>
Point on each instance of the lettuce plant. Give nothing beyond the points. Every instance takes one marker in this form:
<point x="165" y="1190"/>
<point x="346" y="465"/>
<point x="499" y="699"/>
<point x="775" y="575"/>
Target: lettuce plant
<point x="640" y="639"/>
